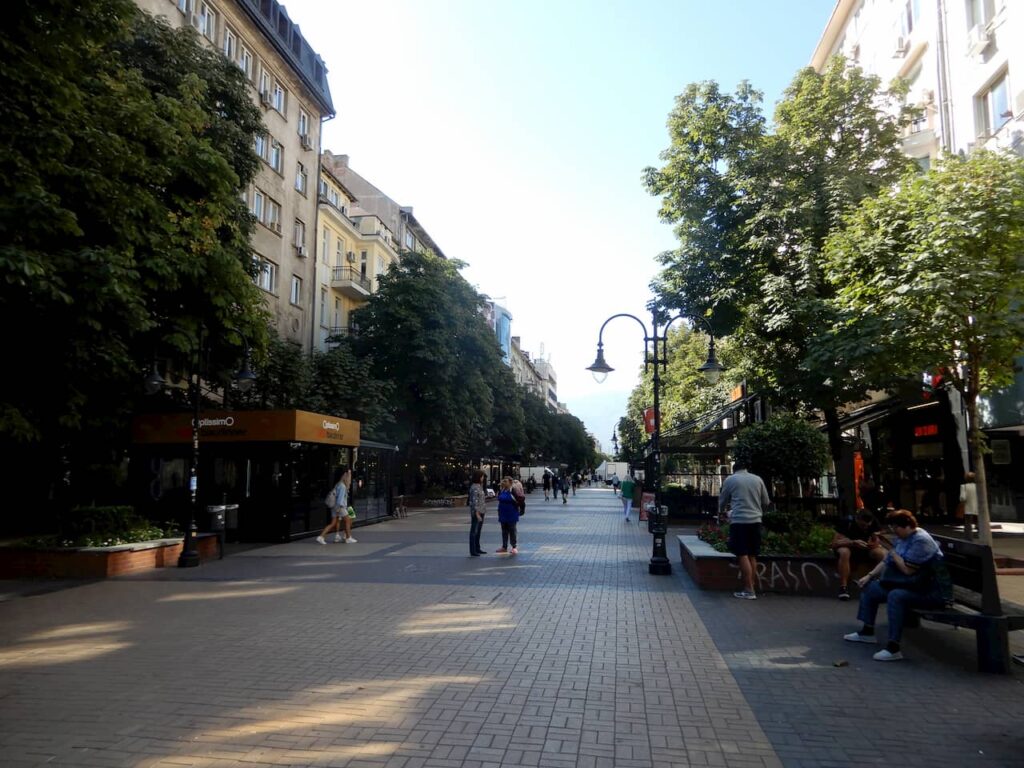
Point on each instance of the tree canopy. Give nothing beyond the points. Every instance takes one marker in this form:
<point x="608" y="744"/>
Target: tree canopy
<point x="126" y="146"/>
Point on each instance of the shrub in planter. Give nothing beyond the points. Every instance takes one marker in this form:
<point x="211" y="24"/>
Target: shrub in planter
<point x="102" y="527"/>
<point x="814" y="539"/>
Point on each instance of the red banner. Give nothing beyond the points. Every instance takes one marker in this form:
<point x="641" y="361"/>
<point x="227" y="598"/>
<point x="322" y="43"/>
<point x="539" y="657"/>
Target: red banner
<point x="649" y="420"/>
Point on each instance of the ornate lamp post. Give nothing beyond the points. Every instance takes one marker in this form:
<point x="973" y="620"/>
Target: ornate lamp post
<point x="244" y="379"/>
<point x="615" y="444"/>
<point x="658" y="358"/>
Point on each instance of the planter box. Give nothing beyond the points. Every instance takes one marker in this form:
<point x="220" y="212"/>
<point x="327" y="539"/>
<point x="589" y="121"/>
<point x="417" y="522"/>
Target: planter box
<point x="438" y="502"/>
<point x="98" y="562"/>
<point x="785" y="574"/>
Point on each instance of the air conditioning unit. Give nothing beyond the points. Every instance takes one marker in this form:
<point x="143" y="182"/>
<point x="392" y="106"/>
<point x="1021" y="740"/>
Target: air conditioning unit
<point x="901" y="47"/>
<point x="307" y="141"/>
<point x="351" y="255"/>
<point x="265" y="99"/>
<point x="300" y="251"/>
<point x="977" y="40"/>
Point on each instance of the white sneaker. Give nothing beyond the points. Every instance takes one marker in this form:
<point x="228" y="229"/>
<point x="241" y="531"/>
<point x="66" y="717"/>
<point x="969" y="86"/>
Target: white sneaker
<point x="320" y="540"/>
<point x="857" y="637"/>
<point x="337" y="538"/>
<point x="885" y="655"/>
<point x="744" y="595"/>
<point x="350" y="540"/>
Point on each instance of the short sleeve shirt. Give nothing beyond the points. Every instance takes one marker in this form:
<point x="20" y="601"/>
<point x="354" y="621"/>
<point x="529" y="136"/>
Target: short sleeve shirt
<point x="849" y="529"/>
<point x="917" y="549"/>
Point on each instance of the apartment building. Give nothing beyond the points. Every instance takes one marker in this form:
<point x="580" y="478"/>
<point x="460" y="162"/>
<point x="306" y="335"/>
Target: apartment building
<point x="963" y="60"/>
<point x="288" y="80"/>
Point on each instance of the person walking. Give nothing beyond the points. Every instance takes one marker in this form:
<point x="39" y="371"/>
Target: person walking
<point x="556" y="485"/>
<point x="969" y="500"/>
<point x="615" y="483"/>
<point x="627" y="495"/>
<point x="508" y="516"/>
<point x="546" y="482"/>
<point x="638" y="497"/>
<point x="340" y="516"/>
<point x="747" y="497"/>
<point x="565" y="489"/>
<point x="477" y="507"/>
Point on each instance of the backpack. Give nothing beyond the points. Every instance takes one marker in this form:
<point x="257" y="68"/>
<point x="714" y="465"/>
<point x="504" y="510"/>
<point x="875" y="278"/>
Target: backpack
<point x="331" y="499"/>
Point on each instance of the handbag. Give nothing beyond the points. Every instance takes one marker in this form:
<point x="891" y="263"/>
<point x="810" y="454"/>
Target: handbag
<point x="919" y="581"/>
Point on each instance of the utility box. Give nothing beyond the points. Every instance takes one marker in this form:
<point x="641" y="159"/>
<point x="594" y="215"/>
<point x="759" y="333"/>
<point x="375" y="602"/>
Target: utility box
<point x="657" y="519"/>
<point x="215" y="517"/>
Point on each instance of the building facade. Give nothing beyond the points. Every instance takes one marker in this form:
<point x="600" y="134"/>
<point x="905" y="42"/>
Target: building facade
<point x="288" y="80"/>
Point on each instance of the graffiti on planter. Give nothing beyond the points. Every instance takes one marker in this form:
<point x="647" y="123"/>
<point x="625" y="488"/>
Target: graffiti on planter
<point x="437" y="502"/>
<point x="789" y="576"/>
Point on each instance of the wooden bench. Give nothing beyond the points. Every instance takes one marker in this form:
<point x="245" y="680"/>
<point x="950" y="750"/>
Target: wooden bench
<point x="976" y="604"/>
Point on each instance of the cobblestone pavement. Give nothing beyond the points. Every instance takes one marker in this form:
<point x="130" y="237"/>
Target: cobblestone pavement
<point x="403" y="651"/>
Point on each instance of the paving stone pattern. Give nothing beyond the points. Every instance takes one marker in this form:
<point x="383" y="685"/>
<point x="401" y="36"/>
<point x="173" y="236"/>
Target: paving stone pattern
<point x="402" y="651"/>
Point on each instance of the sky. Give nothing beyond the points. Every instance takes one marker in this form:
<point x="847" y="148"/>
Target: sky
<point x="519" y="132"/>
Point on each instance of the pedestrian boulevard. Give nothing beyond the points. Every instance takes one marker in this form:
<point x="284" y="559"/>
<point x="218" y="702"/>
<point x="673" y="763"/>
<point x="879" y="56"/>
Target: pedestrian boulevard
<point x="401" y="651"/>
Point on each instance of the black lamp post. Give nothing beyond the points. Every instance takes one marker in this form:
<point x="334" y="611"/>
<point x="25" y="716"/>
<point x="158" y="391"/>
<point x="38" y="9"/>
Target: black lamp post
<point x="615" y="444"/>
<point x="244" y="379"/>
<point x="657" y="525"/>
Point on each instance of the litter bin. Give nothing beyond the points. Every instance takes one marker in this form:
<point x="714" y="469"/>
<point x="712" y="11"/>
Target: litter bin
<point x="231" y="520"/>
<point x="657" y="519"/>
<point x="215" y="524"/>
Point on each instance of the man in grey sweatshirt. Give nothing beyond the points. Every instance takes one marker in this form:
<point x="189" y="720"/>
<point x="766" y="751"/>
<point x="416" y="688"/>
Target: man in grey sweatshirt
<point x="747" y="497"/>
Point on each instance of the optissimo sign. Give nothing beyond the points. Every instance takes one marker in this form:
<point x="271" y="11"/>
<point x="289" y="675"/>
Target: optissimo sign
<point x="246" y="426"/>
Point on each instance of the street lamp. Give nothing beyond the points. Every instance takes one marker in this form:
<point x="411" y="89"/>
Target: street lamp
<point x="712" y="369"/>
<point x="615" y="444"/>
<point x="153" y="383"/>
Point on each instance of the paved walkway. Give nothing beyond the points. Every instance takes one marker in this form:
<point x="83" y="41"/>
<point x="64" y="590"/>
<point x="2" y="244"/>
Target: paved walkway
<point x="401" y="651"/>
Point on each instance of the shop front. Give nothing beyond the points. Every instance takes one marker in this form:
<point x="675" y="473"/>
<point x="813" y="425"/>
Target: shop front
<point x="269" y="469"/>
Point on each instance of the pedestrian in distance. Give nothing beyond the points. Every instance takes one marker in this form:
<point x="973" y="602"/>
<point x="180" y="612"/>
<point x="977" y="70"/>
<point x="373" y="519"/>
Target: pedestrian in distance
<point x="575" y="482"/>
<point x="565" y="489"/>
<point x="508" y="516"/>
<point x="477" y="508"/>
<point x="912" y="575"/>
<point x="556" y="486"/>
<point x="638" y="496"/>
<point x="746" y="497"/>
<point x="627" y="495"/>
<point x="342" y="514"/>
<point x="856" y="541"/>
<point x="969" y="502"/>
<point x="546" y="483"/>
<point x="615" y="483"/>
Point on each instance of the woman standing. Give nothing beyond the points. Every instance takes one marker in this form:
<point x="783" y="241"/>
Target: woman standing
<point x="508" y="516"/>
<point x="477" y="502"/>
<point x="339" y="509"/>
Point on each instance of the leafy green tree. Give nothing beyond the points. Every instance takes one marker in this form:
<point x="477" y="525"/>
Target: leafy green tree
<point x="752" y="209"/>
<point x="783" y="449"/>
<point x="125" y="147"/>
<point x="929" y="275"/>
<point x="344" y="385"/>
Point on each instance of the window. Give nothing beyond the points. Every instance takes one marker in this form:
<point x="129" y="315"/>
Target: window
<point x="362" y="264"/>
<point x="273" y="220"/>
<point x="259" y="204"/>
<point x="337" y="312"/>
<point x="339" y="252"/>
<point x="207" y="22"/>
<point x="186" y="6"/>
<point x="323" y="306"/>
<point x="993" y="107"/>
<point x="245" y="62"/>
<point x="303" y="127"/>
<point x="279" y="97"/>
<point x="909" y="15"/>
<point x="325" y="245"/>
<point x="264" y="82"/>
<point x="301" y="178"/>
<point x="230" y="44"/>
<point x="295" y="297"/>
<point x="299" y="233"/>
<point x="276" y="160"/>
<point x="409" y="242"/>
<point x="266" y="274"/>
<point x="260" y="145"/>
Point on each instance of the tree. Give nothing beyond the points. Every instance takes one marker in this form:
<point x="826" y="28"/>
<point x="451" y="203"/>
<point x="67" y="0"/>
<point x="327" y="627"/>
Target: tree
<point x="126" y="145"/>
<point x="753" y="209"/>
<point x="928" y="275"/>
<point x="783" y="448"/>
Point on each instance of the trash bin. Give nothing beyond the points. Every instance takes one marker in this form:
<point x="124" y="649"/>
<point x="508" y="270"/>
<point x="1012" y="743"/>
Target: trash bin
<point x="657" y="519"/>
<point x="215" y="517"/>
<point x="231" y="517"/>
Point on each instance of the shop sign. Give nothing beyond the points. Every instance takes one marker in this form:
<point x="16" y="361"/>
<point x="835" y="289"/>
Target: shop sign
<point x="1000" y="451"/>
<point x="247" y="426"/>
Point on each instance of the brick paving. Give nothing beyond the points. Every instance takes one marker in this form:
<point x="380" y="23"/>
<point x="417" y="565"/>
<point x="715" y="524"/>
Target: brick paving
<point x="401" y="651"/>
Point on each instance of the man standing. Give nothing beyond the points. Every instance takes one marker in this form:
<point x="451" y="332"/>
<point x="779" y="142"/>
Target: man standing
<point x="746" y="496"/>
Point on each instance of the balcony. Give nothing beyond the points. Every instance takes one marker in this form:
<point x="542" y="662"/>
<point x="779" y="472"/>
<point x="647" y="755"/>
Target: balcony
<point x="351" y="282"/>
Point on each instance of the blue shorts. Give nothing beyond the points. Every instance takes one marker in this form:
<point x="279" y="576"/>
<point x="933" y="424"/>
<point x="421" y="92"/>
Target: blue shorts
<point x="745" y="539"/>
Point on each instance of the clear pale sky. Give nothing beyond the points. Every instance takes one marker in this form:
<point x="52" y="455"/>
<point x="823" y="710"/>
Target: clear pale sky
<point x="519" y="132"/>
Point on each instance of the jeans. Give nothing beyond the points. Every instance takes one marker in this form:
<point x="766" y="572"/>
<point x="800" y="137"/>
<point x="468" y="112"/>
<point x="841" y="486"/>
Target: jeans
<point x="897" y="602"/>
<point x="475" y="526"/>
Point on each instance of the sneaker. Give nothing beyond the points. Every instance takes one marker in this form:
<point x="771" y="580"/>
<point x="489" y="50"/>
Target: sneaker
<point x="320" y="540"/>
<point x="844" y="593"/>
<point x="515" y="551"/>
<point x="337" y="538"/>
<point x="857" y="637"/>
<point x="350" y="540"/>
<point x="744" y="595"/>
<point x="886" y="655"/>
<point x="501" y="551"/>
<point x="483" y="551"/>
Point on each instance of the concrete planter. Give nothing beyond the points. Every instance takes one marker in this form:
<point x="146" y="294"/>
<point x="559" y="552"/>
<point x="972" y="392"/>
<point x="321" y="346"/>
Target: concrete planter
<point x="785" y="574"/>
<point x="98" y="562"/>
<point x="438" y="502"/>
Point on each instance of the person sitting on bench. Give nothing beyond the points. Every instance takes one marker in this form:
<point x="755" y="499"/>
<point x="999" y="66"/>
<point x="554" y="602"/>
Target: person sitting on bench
<point x="905" y="579"/>
<point x="856" y="541"/>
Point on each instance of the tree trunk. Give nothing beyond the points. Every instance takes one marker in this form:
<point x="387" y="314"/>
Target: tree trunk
<point x="978" y="456"/>
<point x="835" y="444"/>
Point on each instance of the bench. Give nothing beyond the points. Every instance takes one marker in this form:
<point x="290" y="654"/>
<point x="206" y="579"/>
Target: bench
<point x="976" y="604"/>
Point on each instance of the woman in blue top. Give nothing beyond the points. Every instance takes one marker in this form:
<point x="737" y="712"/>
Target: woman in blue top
<point x="915" y="553"/>
<point x="508" y="516"/>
